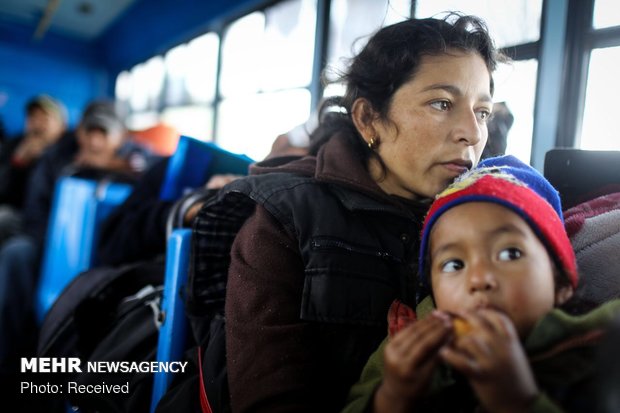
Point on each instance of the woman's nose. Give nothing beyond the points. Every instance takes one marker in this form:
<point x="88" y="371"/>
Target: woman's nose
<point x="468" y="128"/>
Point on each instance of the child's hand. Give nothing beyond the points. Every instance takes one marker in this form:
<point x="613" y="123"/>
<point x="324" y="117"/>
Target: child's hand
<point x="492" y="358"/>
<point x="410" y="358"/>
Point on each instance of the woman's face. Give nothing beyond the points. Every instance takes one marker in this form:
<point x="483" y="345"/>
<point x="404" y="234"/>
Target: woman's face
<point x="436" y="127"/>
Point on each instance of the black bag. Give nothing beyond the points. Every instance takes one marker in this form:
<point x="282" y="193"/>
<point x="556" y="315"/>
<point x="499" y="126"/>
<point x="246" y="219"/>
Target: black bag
<point x="107" y="314"/>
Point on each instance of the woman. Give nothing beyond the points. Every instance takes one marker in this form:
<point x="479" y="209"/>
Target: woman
<point x="332" y="240"/>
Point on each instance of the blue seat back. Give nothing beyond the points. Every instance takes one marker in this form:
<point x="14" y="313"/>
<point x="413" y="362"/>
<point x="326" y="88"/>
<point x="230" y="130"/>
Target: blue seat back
<point x="171" y="344"/>
<point x="79" y="207"/>
<point x="189" y="168"/>
<point x="194" y="161"/>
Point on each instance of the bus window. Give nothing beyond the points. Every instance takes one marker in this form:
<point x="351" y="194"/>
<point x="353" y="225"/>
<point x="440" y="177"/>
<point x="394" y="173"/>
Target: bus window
<point x="606" y="14"/>
<point x="512" y="25"/>
<point x="265" y="77"/>
<point x="600" y="116"/>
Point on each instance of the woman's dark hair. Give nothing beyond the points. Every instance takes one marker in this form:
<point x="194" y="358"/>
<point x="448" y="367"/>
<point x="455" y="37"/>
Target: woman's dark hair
<point x="391" y="58"/>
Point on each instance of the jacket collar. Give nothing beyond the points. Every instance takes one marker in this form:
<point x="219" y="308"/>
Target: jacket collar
<point x="337" y="164"/>
<point x="558" y="331"/>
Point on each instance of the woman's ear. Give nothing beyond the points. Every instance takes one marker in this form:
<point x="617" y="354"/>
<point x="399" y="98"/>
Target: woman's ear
<point x="363" y="117"/>
<point x="563" y="294"/>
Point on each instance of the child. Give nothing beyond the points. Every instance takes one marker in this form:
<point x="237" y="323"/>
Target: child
<point x="497" y="258"/>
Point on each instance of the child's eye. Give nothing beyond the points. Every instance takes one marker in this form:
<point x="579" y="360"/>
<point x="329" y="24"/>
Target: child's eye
<point x="441" y="105"/>
<point x="452" y="266"/>
<point x="510" y="254"/>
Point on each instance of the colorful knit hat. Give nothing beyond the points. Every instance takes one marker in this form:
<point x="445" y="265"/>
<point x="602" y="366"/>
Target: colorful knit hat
<point x="507" y="181"/>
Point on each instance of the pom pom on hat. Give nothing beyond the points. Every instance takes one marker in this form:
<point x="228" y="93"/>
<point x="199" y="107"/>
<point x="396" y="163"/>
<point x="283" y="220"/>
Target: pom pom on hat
<point x="507" y="181"/>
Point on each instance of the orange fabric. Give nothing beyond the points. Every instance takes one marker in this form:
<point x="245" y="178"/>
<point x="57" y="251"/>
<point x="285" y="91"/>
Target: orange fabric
<point x="162" y="139"/>
<point x="399" y="316"/>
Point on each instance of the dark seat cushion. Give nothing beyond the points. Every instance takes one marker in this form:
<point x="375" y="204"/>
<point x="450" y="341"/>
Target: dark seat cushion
<point x="594" y="230"/>
<point x="581" y="175"/>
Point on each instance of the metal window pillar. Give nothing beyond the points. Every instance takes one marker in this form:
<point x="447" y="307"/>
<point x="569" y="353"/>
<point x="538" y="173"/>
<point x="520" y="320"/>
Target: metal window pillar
<point x="551" y="60"/>
<point x="321" y="37"/>
<point x="575" y="77"/>
<point x="217" y="96"/>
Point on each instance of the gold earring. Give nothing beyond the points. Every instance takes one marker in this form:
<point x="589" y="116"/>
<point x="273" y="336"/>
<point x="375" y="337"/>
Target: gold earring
<point x="372" y="145"/>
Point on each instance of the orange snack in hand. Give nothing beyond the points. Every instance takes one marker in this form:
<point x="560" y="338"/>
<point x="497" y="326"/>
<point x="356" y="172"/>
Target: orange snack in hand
<point x="461" y="327"/>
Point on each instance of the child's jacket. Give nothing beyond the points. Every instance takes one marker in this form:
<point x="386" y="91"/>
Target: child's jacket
<point x="562" y="352"/>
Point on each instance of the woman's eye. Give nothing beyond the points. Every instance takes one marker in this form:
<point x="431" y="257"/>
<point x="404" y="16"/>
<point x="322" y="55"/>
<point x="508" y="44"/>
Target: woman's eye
<point x="452" y="266"/>
<point x="483" y="115"/>
<point x="442" y="105"/>
<point x="510" y="254"/>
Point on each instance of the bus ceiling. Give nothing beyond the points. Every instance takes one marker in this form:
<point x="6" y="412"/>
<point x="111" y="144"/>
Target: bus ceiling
<point x="123" y="32"/>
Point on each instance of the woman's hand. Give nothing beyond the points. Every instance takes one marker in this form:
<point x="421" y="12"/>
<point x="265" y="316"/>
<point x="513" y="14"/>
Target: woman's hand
<point x="410" y="358"/>
<point x="219" y="180"/>
<point x="492" y="358"/>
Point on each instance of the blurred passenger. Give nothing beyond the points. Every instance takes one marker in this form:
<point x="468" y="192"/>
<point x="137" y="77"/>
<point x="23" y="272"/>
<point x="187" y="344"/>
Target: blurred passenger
<point x="46" y="121"/>
<point x="136" y="230"/>
<point x="499" y="125"/>
<point x="283" y="146"/>
<point x="99" y="142"/>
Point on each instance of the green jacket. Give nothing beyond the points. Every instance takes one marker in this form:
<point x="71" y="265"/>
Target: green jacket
<point x="561" y="349"/>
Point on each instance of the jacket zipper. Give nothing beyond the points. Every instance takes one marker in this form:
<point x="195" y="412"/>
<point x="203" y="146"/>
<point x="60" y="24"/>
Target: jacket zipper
<point x="330" y="243"/>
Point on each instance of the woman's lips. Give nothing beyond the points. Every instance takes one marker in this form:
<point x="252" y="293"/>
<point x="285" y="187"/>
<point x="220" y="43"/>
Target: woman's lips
<point x="457" y="167"/>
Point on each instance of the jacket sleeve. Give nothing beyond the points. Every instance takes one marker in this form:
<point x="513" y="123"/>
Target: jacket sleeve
<point x="273" y="358"/>
<point x="361" y="395"/>
<point x="543" y="404"/>
<point x="13" y="179"/>
<point x="136" y="230"/>
<point x="39" y="197"/>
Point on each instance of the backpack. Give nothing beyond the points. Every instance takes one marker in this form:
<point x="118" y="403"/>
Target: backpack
<point x="107" y="314"/>
<point x="204" y="387"/>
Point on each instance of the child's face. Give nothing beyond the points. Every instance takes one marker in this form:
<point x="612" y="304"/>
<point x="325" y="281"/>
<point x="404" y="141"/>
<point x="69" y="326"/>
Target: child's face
<point x="484" y="255"/>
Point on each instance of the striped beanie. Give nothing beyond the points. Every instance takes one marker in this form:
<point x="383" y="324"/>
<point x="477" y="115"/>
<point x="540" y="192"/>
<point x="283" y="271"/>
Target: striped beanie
<point x="507" y="181"/>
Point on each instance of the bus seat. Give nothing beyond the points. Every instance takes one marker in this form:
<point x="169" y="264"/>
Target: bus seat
<point x="594" y="230"/>
<point x="161" y="139"/>
<point x="172" y="334"/>
<point x="171" y="343"/>
<point x="580" y="175"/>
<point x="78" y="208"/>
<point x="589" y="185"/>
<point x="194" y="161"/>
<point x="188" y="169"/>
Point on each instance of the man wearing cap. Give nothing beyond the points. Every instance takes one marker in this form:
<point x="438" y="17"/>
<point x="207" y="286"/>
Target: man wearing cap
<point x="46" y="121"/>
<point x="100" y="143"/>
